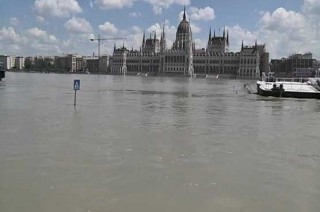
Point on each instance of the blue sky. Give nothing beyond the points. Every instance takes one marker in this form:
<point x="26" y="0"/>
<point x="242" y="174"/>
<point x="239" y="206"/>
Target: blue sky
<point x="56" y="27"/>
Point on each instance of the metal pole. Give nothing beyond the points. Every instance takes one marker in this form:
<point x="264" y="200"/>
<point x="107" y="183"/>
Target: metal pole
<point x="75" y="98"/>
<point x="99" y="46"/>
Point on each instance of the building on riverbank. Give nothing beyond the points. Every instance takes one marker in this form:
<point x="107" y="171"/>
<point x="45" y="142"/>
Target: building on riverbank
<point x="19" y="63"/>
<point x="183" y="59"/>
<point x="12" y="62"/>
<point x="295" y="65"/>
<point x="9" y="62"/>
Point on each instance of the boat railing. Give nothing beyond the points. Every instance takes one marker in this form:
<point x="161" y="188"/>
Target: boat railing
<point x="270" y="78"/>
<point x="267" y="78"/>
<point x="291" y="79"/>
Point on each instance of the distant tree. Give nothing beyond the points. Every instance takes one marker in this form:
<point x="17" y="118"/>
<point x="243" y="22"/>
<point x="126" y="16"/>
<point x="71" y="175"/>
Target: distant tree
<point x="27" y="64"/>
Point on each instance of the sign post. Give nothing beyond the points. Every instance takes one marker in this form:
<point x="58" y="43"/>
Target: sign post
<point x="76" y="87"/>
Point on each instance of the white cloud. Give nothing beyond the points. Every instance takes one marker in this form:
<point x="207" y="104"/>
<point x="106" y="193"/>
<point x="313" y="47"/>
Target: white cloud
<point x="135" y="14"/>
<point x="35" y="41"/>
<point x="200" y="43"/>
<point x="157" y="9"/>
<point x="78" y="25"/>
<point x="31" y="41"/>
<point x="40" y="42"/>
<point x="237" y="34"/>
<point x="108" y="28"/>
<point x="52" y="38"/>
<point x="9" y="35"/>
<point x="14" y="21"/>
<point x="136" y="29"/>
<point x="114" y="4"/>
<point x="282" y="20"/>
<point x="167" y="3"/>
<point x="37" y="33"/>
<point x="206" y="13"/>
<point x="154" y="28"/>
<point x="134" y="40"/>
<point x="311" y="7"/>
<point x="159" y="5"/>
<point x="80" y="44"/>
<point x="287" y="32"/>
<point x="40" y="19"/>
<point x="59" y="8"/>
<point x="181" y="15"/>
<point x="195" y="29"/>
<point x="11" y="41"/>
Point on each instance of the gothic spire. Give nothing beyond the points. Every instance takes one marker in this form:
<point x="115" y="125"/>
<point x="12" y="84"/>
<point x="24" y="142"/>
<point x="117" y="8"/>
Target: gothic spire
<point x="210" y="35"/>
<point x="155" y="35"/>
<point x="163" y="34"/>
<point x="163" y="39"/>
<point x="242" y="46"/>
<point x="214" y="33"/>
<point x="224" y="32"/>
<point x="144" y="38"/>
<point x="184" y="13"/>
<point x="256" y="45"/>
<point x="228" y="37"/>
<point x="163" y="26"/>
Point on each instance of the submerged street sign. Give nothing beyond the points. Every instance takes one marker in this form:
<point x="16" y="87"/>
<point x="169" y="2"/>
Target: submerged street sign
<point x="76" y="85"/>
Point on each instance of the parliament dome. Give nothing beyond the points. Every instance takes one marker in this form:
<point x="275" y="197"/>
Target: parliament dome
<point x="184" y="25"/>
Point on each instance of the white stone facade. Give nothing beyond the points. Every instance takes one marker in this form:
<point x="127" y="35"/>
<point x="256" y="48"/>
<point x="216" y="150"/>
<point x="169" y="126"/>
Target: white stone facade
<point x="9" y="62"/>
<point x="185" y="60"/>
<point x="20" y="63"/>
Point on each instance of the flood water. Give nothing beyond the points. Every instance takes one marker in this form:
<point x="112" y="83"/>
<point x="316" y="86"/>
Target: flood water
<point x="143" y="144"/>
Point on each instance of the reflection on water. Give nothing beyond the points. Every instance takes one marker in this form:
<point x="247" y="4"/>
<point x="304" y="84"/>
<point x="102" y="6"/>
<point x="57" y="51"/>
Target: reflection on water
<point x="154" y="144"/>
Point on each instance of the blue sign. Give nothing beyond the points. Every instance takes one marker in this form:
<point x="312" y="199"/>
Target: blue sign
<point x="76" y="85"/>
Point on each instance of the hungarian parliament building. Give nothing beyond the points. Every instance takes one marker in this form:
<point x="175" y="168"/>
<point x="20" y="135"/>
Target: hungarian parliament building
<point x="183" y="59"/>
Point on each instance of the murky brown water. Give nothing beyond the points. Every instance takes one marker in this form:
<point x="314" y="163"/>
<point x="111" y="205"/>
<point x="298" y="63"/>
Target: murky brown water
<point x="144" y="144"/>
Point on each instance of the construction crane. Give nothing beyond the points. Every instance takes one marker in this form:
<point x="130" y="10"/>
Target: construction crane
<point x="99" y="39"/>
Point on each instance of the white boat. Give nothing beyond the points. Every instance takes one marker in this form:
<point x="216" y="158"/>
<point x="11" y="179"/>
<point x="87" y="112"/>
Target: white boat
<point x="288" y="87"/>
